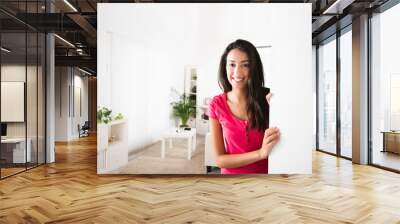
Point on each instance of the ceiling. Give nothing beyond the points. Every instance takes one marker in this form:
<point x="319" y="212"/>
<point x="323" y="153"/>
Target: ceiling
<point x="76" y="22"/>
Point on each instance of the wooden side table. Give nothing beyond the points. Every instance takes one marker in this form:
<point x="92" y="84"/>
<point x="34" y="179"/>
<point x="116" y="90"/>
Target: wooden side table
<point x="391" y="141"/>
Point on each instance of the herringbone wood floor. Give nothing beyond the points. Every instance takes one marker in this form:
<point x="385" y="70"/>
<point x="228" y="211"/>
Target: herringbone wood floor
<point x="70" y="191"/>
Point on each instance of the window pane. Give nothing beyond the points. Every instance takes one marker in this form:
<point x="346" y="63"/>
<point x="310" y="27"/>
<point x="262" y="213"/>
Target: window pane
<point x="13" y="87"/>
<point x="31" y="101"/>
<point x="386" y="89"/>
<point x="345" y="94"/>
<point x="327" y="97"/>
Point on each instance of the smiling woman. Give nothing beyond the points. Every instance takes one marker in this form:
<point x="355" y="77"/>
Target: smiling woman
<point x="239" y="116"/>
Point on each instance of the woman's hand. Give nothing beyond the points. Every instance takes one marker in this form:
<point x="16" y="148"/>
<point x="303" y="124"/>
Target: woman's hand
<point x="268" y="97"/>
<point x="271" y="137"/>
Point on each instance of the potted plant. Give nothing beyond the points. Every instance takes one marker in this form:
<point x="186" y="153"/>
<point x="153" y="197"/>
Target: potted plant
<point x="103" y="115"/>
<point x="119" y="116"/>
<point x="183" y="109"/>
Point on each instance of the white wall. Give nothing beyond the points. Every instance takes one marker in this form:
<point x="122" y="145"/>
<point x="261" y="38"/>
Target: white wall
<point x="143" y="49"/>
<point x="291" y="83"/>
<point x="79" y="117"/>
<point x="67" y="79"/>
<point x="61" y="103"/>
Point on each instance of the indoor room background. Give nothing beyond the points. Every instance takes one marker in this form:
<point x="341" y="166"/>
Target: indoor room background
<point x="144" y="53"/>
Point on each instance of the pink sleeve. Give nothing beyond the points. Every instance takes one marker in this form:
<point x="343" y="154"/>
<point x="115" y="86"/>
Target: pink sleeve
<point x="212" y="109"/>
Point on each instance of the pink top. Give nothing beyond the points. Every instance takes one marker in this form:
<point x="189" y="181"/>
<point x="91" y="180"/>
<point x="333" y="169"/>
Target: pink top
<point x="237" y="140"/>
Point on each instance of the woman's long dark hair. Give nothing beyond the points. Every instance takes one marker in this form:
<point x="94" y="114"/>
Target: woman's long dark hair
<point x="257" y="107"/>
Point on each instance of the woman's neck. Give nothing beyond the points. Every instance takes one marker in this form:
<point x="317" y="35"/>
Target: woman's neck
<point x="238" y="96"/>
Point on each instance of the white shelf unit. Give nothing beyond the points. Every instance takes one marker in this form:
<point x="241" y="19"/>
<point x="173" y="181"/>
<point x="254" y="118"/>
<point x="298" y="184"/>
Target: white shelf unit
<point x="191" y="88"/>
<point x="112" y="146"/>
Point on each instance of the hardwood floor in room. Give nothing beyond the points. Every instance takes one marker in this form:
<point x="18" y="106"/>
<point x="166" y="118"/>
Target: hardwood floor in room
<point x="70" y="191"/>
<point x="149" y="161"/>
<point x="387" y="159"/>
<point x="10" y="171"/>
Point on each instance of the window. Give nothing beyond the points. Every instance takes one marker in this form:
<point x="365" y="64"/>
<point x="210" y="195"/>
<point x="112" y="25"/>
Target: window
<point x="385" y="89"/>
<point x="22" y="65"/>
<point x="346" y="94"/>
<point x="327" y="96"/>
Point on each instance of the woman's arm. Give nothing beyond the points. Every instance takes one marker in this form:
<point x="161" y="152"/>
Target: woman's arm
<point x="224" y="160"/>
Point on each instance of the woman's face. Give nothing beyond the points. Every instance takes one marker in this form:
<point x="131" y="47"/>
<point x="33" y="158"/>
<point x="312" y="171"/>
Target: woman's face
<point x="237" y="68"/>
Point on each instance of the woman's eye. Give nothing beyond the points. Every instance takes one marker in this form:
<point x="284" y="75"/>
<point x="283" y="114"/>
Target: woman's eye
<point x="231" y="65"/>
<point x="246" y="65"/>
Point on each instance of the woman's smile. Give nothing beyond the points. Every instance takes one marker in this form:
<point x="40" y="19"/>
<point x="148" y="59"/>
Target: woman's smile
<point x="238" y="80"/>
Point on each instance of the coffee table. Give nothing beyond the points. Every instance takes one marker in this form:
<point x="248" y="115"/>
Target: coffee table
<point x="176" y="133"/>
